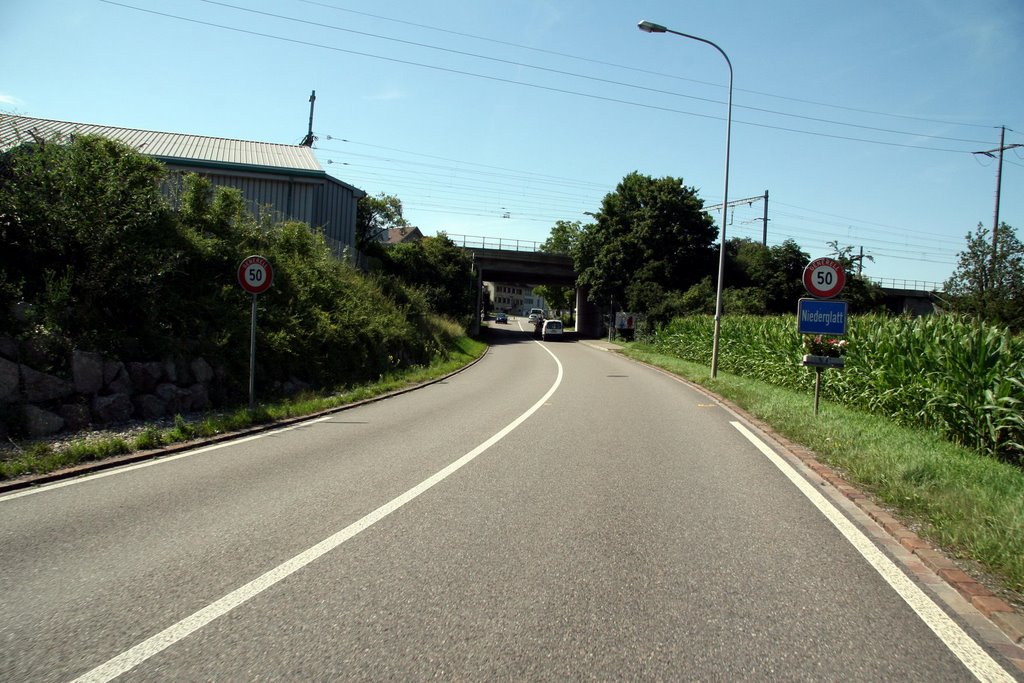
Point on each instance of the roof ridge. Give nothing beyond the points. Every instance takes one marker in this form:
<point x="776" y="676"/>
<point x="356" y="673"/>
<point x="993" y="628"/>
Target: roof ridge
<point x="144" y="130"/>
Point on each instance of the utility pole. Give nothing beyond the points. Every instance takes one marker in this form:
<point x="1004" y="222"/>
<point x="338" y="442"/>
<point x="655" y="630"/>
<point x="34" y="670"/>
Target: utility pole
<point x="749" y="201"/>
<point x="999" y="184"/>
<point x="308" y="140"/>
<point x="764" y="222"/>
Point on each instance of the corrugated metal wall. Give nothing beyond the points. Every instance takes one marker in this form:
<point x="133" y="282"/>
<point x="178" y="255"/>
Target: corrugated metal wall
<point x="336" y="214"/>
<point x="320" y="202"/>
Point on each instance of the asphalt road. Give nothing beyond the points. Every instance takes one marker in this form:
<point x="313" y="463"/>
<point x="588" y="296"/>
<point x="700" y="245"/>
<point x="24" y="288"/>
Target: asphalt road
<point x="554" y="512"/>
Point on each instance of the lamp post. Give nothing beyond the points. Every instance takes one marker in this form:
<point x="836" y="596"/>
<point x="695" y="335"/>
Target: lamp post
<point x="650" y="27"/>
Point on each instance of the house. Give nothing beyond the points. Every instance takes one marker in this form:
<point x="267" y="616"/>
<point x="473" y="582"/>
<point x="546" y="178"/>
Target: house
<point x="286" y="178"/>
<point x="401" y="235"/>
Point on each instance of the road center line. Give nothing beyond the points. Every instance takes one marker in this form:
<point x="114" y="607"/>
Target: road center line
<point x="977" y="661"/>
<point x="134" y="656"/>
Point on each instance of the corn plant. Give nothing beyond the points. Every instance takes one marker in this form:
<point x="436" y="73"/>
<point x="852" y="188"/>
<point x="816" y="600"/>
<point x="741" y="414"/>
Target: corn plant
<point x="961" y="378"/>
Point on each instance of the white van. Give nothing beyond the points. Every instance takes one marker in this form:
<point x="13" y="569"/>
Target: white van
<point x="536" y="315"/>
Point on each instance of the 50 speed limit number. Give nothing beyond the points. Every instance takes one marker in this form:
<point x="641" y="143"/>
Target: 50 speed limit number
<point x="824" y="277"/>
<point x="255" y="274"/>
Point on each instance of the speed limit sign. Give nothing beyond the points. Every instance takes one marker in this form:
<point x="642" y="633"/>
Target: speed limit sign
<point x="824" y="277"/>
<point x="255" y="274"/>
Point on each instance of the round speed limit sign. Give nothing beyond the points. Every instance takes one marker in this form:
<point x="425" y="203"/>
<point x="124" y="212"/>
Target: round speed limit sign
<point x="255" y="274"/>
<point x="824" y="277"/>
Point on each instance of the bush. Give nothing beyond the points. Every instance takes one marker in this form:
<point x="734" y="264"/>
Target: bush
<point x="95" y="258"/>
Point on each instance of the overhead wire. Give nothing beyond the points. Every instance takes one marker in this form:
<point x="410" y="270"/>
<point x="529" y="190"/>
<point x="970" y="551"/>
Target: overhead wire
<point x="638" y="69"/>
<point x="605" y="81"/>
<point x="527" y="216"/>
<point x="537" y="86"/>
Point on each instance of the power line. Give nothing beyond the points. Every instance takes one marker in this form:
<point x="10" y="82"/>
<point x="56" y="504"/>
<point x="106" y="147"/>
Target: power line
<point x="640" y="70"/>
<point x="524" y="83"/>
<point x="605" y="81"/>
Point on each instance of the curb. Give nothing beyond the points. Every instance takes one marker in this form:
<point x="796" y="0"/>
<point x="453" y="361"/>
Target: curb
<point x="1008" y="621"/>
<point x="30" y="481"/>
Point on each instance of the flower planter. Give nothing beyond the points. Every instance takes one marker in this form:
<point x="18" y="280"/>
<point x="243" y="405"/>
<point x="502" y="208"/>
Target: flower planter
<point x="823" y="361"/>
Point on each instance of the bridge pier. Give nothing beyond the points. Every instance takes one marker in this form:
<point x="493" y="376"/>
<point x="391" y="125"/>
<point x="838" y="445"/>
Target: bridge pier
<point x="588" y="315"/>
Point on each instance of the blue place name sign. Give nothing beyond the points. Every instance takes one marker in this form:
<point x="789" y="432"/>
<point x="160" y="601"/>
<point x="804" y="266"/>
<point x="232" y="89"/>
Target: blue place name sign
<point x="817" y="316"/>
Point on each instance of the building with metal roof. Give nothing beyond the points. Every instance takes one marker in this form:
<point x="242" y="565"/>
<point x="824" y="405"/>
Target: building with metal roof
<point x="286" y="178"/>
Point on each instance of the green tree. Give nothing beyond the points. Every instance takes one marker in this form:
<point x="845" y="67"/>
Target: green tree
<point x="775" y="271"/>
<point x="986" y="287"/>
<point x="862" y="295"/>
<point x="437" y="268"/>
<point x="651" y="237"/>
<point x="564" y="239"/>
<point x="88" y="238"/>
<point x="374" y="217"/>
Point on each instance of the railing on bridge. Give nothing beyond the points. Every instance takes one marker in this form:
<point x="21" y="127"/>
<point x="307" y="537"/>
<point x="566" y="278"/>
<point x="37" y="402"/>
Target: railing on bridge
<point x="911" y="285"/>
<point x="504" y="243"/>
<point x="507" y="244"/>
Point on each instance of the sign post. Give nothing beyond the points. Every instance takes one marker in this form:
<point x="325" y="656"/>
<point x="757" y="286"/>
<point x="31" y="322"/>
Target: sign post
<point x="823" y="279"/>
<point x="255" y="276"/>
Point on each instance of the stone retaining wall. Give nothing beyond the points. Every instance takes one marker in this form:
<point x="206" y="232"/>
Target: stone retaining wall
<point x="99" y="392"/>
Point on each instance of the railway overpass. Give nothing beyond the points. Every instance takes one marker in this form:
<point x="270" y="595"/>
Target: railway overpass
<point x="520" y="261"/>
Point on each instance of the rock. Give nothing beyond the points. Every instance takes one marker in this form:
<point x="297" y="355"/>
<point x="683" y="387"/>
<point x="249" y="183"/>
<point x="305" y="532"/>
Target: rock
<point x="145" y="376"/>
<point x="8" y="348"/>
<point x="116" y="378"/>
<point x="183" y="371"/>
<point x="76" y="416"/>
<point x="178" y="400"/>
<point x="87" y="371"/>
<point x="113" y="408"/>
<point x="149" y="406"/>
<point x="294" y="385"/>
<point x="40" y="387"/>
<point x="8" y="381"/>
<point x="170" y="370"/>
<point x="201" y="371"/>
<point x="41" y="422"/>
<point x="199" y="398"/>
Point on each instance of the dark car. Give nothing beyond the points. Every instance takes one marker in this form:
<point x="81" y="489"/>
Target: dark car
<point x="501" y="318"/>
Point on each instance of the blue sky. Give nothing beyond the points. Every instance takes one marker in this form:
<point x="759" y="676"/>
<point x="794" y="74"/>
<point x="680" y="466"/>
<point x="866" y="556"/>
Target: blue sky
<point x="496" y="119"/>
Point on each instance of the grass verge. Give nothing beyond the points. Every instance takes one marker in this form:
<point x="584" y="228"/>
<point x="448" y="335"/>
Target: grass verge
<point x="43" y="457"/>
<point x="968" y="504"/>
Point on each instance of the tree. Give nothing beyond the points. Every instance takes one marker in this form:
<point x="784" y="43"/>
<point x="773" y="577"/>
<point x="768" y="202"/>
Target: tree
<point x="991" y="289"/>
<point x="437" y="268"/>
<point x="862" y="294"/>
<point x="651" y="237"/>
<point x="776" y="271"/>
<point x="88" y="235"/>
<point x="564" y="239"/>
<point x="374" y="217"/>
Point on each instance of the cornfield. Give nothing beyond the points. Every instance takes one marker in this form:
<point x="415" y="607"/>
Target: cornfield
<point x="946" y="373"/>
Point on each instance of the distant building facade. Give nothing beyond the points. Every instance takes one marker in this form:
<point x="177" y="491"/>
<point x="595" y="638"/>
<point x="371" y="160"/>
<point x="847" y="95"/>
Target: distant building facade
<point x="514" y="299"/>
<point x="287" y="179"/>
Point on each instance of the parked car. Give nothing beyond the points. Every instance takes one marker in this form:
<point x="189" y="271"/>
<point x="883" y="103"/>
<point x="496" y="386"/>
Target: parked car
<point x="501" y="318"/>
<point x="552" y="330"/>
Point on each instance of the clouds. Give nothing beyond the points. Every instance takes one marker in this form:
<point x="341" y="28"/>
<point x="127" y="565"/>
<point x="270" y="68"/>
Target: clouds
<point x="8" y="100"/>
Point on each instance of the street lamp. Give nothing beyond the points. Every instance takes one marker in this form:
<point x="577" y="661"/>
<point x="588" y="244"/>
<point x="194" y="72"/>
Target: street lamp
<point x="650" y="27"/>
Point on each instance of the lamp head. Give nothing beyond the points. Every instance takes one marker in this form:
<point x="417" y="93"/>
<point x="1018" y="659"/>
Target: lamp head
<point x="651" y="27"/>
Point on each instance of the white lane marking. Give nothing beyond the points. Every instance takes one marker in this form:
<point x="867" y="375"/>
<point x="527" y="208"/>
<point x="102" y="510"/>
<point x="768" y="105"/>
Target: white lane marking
<point x="158" y="461"/>
<point x="134" y="656"/>
<point x="959" y="643"/>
